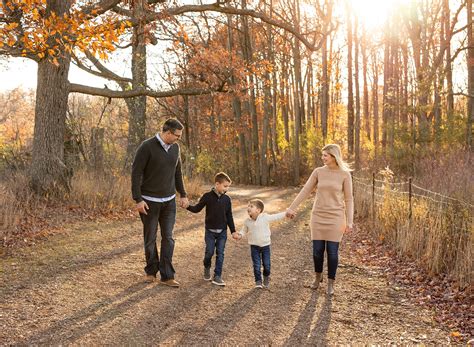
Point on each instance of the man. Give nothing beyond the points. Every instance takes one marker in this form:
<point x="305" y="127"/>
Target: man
<point x="156" y="176"/>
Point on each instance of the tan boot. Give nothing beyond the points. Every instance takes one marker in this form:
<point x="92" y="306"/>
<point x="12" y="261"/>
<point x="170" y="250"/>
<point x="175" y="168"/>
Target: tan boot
<point x="317" y="280"/>
<point x="330" y="286"/>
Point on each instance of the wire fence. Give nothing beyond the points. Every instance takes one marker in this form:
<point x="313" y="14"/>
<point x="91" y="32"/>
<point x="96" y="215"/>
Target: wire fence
<point x="407" y="191"/>
<point x="431" y="227"/>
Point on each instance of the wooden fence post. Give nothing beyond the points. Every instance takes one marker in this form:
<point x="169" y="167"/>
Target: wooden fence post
<point x="409" y="200"/>
<point x="373" y="197"/>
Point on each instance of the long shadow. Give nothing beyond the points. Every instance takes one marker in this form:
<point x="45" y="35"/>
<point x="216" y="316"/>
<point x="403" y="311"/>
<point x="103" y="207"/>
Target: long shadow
<point x="50" y="272"/>
<point x="302" y="333"/>
<point x="166" y="317"/>
<point x="302" y="328"/>
<point x="223" y="322"/>
<point x="76" y="325"/>
<point x="319" y="334"/>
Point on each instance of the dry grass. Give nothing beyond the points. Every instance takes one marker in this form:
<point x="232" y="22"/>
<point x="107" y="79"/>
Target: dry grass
<point x="23" y="213"/>
<point x="439" y="235"/>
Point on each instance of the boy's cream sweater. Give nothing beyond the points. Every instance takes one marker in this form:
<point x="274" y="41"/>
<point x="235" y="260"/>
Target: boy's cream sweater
<point x="259" y="230"/>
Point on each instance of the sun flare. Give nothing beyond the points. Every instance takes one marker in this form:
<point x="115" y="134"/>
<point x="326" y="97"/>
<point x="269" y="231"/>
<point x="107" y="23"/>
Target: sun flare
<point x="373" y="13"/>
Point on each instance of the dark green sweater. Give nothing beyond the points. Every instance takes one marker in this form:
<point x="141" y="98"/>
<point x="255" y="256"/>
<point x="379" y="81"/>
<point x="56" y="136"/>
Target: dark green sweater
<point x="155" y="172"/>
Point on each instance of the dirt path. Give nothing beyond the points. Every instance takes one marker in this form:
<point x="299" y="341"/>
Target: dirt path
<point x="85" y="288"/>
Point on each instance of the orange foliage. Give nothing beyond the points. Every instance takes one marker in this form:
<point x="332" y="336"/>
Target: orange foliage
<point x="41" y="34"/>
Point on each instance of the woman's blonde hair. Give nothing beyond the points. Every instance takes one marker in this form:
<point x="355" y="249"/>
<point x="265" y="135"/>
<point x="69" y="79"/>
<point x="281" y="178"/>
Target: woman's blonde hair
<point x="335" y="151"/>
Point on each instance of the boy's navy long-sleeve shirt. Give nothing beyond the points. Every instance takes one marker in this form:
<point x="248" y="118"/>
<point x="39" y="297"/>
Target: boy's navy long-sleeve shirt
<point x="218" y="211"/>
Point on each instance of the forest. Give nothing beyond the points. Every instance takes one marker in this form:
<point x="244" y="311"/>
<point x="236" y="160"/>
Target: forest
<point x="260" y="87"/>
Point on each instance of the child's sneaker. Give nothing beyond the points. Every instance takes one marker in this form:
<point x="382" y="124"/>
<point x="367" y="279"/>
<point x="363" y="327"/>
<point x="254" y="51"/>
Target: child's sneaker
<point x="258" y="284"/>
<point x="266" y="282"/>
<point x="218" y="281"/>
<point x="207" y="273"/>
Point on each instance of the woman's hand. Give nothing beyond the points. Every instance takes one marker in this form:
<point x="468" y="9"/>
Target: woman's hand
<point x="290" y="214"/>
<point x="349" y="228"/>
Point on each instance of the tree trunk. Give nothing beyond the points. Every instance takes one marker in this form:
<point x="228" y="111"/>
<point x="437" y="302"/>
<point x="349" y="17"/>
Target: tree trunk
<point x="470" y="75"/>
<point x="324" y="97"/>
<point x="375" y="101"/>
<point x="97" y="149"/>
<point x="243" y="169"/>
<point x="357" y="92"/>
<point x="365" y="86"/>
<point x="350" y="96"/>
<point x="449" y="66"/>
<point x="247" y="49"/>
<point x="49" y="174"/>
<point x="137" y="105"/>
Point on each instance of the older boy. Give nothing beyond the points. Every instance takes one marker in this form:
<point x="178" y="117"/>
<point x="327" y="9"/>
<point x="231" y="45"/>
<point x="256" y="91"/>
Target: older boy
<point x="218" y="218"/>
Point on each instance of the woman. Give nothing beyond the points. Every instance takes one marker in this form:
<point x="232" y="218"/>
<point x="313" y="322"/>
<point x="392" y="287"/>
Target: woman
<point x="332" y="212"/>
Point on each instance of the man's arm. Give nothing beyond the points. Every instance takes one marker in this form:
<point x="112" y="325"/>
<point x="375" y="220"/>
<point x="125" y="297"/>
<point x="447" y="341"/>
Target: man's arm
<point x="138" y="167"/>
<point x="178" y="177"/>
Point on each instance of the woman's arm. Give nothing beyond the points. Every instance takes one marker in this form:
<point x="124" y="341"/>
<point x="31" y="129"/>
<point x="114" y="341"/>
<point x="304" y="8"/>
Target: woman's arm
<point x="348" y="199"/>
<point x="305" y="191"/>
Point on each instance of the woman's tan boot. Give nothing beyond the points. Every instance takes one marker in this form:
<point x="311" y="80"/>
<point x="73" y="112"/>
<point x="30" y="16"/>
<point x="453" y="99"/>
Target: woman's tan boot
<point x="317" y="279"/>
<point x="330" y="286"/>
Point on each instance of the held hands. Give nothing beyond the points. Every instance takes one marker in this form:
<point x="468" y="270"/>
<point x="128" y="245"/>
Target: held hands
<point x="236" y="236"/>
<point x="142" y="207"/>
<point x="183" y="202"/>
<point x="349" y="229"/>
<point x="290" y="214"/>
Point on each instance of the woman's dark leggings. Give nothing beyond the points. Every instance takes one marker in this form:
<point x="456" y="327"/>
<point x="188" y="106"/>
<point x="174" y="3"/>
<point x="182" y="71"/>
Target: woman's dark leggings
<point x="332" y="249"/>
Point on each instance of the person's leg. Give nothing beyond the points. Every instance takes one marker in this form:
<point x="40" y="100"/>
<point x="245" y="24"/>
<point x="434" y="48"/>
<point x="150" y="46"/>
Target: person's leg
<point x="266" y="260"/>
<point x="150" y="227"/>
<point x="318" y="258"/>
<point x="209" y="238"/>
<point x="257" y="264"/>
<point x="318" y="255"/>
<point x="167" y="219"/>
<point x="266" y="253"/>
<point x="221" y="239"/>
<point x="332" y="249"/>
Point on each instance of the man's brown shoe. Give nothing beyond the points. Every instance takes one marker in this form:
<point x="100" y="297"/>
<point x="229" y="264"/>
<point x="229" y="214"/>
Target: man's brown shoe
<point x="149" y="278"/>
<point x="170" y="283"/>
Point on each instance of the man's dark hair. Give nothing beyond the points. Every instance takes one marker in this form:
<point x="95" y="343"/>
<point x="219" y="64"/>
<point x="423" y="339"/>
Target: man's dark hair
<point x="258" y="204"/>
<point x="172" y="125"/>
<point x="222" y="177"/>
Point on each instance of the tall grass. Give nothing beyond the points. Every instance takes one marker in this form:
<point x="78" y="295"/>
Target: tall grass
<point x="22" y="212"/>
<point x="438" y="236"/>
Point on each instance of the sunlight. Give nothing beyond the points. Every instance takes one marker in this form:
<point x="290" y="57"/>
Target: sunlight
<point x="373" y="13"/>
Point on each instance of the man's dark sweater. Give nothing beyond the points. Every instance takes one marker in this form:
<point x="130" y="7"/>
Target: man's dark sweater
<point x="155" y="172"/>
<point x="218" y="211"/>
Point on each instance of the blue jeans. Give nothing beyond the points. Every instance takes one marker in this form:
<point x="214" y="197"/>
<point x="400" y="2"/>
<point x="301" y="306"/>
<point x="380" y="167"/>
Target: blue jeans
<point x="332" y="250"/>
<point x="215" y="242"/>
<point x="259" y="255"/>
<point x="164" y="214"/>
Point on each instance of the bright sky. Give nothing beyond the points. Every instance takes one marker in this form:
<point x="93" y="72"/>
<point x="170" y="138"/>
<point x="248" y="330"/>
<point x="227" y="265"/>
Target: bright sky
<point x="22" y="72"/>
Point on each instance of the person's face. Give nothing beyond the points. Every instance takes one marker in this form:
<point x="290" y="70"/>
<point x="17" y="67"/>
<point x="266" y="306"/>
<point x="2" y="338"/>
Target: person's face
<point x="222" y="187"/>
<point x="253" y="211"/>
<point x="328" y="159"/>
<point x="171" y="137"/>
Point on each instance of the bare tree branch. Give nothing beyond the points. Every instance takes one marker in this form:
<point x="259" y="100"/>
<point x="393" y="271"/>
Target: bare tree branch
<point x="109" y="93"/>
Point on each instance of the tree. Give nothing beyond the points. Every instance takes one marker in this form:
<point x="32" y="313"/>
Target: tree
<point x="49" y="31"/>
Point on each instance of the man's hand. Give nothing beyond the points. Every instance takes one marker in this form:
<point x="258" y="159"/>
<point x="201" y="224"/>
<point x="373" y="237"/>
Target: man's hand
<point x="349" y="228"/>
<point x="236" y="236"/>
<point x="142" y="207"/>
<point x="290" y="214"/>
<point x="183" y="202"/>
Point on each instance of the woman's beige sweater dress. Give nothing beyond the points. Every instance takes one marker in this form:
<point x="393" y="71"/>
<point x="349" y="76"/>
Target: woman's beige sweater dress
<point x="333" y="206"/>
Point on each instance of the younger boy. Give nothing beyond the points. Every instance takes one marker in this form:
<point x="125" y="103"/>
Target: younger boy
<point x="258" y="229"/>
<point x="218" y="217"/>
